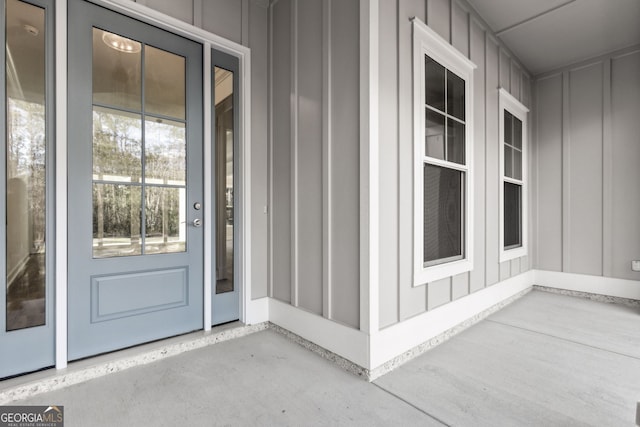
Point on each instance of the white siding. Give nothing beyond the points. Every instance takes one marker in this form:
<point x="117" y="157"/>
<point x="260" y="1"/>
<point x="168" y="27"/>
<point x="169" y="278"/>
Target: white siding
<point x="588" y="202"/>
<point x="314" y="152"/>
<point x="453" y="20"/>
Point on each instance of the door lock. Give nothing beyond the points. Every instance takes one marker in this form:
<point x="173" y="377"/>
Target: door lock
<point x="197" y="206"/>
<point x="197" y="222"/>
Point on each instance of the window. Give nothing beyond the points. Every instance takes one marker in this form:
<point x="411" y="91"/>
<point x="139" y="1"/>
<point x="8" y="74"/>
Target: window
<point x="443" y="181"/>
<point x="513" y="182"/>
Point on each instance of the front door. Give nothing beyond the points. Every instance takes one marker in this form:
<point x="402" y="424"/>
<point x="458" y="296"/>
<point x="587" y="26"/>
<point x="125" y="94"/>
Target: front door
<point x="135" y="182"/>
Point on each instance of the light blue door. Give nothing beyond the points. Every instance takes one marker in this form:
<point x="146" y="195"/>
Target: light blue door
<point x="26" y="182"/>
<point x="135" y="182"/>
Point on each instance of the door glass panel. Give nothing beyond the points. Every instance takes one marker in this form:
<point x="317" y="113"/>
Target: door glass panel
<point x="165" y="213"/>
<point x="25" y="165"/>
<point x="116" y="220"/>
<point x="117" y="70"/>
<point x="117" y="145"/>
<point x="139" y="154"/>
<point x="165" y="152"/>
<point x="225" y="201"/>
<point x="164" y="75"/>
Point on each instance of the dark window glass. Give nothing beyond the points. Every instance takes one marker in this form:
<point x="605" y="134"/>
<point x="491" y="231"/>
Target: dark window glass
<point x="512" y="146"/>
<point x="508" y="161"/>
<point x="443" y="207"/>
<point x="517" y="164"/>
<point x="512" y="215"/>
<point x="508" y="127"/>
<point x="434" y="135"/>
<point x="455" y="96"/>
<point x="434" y="83"/>
<point x="517" y="133"/>
<point x="455" y="142"/>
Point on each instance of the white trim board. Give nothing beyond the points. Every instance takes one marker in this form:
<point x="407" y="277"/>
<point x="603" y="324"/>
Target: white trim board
<point x="395" y="340"/>
<point x="257" y="311"/>
<point x="342" y="340"/>
<point x="61" y="201"/>
<point x="608" y="286"/>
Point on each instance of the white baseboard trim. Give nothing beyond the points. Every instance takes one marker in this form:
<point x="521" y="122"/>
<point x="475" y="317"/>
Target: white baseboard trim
<point x="609" y="286"/>
<point x="342" y="340"/>
<point x="257" y="311"/>
<point x="394" y="345"/>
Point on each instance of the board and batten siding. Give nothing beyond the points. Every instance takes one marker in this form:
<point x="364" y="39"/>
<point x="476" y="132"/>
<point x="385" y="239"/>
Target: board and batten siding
<point x="587" y="120"/>
<point x="458" y="24"/>
<point x="244" y="22"/>
<point x="314" y="255"/>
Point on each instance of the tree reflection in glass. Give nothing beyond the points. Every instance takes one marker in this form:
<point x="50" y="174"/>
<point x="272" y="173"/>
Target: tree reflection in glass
<point x="25" y="167"/>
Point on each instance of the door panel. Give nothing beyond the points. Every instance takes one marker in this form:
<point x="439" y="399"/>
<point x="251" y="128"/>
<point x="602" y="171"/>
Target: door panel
<point x="26" y="214"/>
<point x="135" y="177"/>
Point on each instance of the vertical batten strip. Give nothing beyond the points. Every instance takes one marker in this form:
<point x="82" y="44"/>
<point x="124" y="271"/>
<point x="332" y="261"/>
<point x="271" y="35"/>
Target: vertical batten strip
<point x="486" y="175"/>
<point x="398" y="159"/>
<point x="326" y="159"/>
<point x="61" y="183"/>
<point x="534" y="179"/>
<point x="246" y="271"/>
<point x="369" y="173"/>
<point x="197" y="14"/>
<point x="607" y="172"/>
<point x="450" y="23"/>
<point x="244" y="36"/>
<point x="566" y="174"/>
<point x="270" y="155"/>
<point x="294" y="153"/>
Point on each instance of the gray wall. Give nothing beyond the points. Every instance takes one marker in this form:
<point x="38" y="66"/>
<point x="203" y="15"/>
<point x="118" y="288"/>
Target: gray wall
<point x="244" y="22"/>
<point x="466" y="31"/>
<point x="588" y="138"/>
<point x="314" y="156"/>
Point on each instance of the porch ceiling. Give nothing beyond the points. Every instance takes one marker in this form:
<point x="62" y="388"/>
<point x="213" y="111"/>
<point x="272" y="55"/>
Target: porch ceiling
<point x="549" y="34"/>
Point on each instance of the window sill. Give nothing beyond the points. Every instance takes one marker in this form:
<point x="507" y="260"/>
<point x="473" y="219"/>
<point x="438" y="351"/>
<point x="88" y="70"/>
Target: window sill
<point x="422" y="276"/>
<point x="514" y="253"/>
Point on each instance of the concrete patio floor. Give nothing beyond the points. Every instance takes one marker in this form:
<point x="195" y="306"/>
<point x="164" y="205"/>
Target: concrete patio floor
<point x="545" y="360"/>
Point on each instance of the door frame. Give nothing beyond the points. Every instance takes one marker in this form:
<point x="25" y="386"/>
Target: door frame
<point x="249" y="313"/>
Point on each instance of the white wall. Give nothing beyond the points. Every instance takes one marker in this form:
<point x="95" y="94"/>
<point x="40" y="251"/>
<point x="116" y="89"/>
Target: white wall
<point x="588" y="127"/>
<point x="456" y="23"/>
<point x="314" y="157"/>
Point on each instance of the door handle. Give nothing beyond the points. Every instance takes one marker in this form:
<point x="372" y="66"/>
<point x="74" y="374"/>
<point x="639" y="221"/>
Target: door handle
<point x="197" y="222"/>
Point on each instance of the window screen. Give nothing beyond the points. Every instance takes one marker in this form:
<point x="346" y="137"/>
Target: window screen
<point x="443" y="207"/>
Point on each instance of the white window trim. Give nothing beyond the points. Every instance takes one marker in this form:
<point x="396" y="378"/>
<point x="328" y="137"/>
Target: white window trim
<point x="512" y="105"/>
<point x="428" y="42"/>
